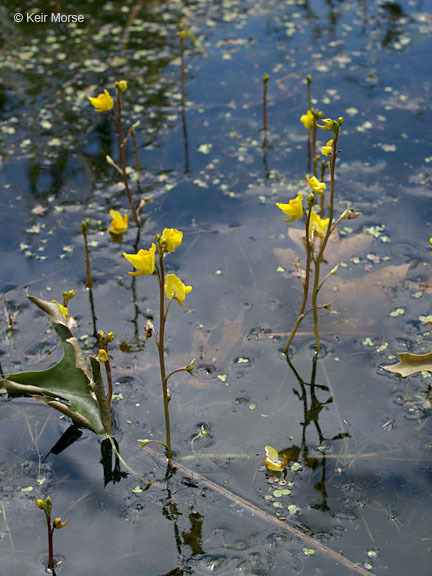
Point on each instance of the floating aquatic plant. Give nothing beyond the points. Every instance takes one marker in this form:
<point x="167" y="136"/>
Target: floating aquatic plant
<point x="318" y="213"/>
<point x="144" y="262"/>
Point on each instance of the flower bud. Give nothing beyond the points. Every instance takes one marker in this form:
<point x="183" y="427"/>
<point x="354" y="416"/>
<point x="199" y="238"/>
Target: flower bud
<point x="48" y="505"/>
<point x="183" y="34"/>
<point x="144" y="442"/>
<point x="169" y="395"/>
<point x="311" y="200"/>
<point x="190" y="368"/>
<point x="121" y="86"/>
<point x="109" y="160"/>
<point x="350" y="214"/>
<point x="266" y="78"/>
<point x="68" y="296"/>
<point x="40" y="504"/>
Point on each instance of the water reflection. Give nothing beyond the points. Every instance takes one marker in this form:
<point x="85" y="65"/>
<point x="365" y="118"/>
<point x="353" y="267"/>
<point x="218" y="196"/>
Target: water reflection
<point x="312" y="408"/>
<point x="112" y="471"/>
<point x="187" y="533"/>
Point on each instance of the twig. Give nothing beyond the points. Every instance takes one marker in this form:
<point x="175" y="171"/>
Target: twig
<point x="256" y="511"/>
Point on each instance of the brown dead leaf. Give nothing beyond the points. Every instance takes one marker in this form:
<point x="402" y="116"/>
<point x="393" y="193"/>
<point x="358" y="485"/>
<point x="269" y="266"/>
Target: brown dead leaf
<point x="357" y="300"/>
<point x="410" y="363"/>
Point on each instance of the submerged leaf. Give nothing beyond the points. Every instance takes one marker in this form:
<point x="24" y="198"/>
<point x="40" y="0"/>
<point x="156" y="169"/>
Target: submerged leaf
<point x="410" y="363"/>
<point x="68" y="386"/>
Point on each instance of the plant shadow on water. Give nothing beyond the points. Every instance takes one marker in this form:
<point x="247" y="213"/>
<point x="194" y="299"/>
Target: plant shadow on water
<point x="356" y="439"/>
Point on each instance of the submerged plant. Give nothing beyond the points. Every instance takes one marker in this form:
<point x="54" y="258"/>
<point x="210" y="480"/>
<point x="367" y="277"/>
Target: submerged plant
<point x="57" y="524"/>
<point x="319" y="220"/>
<point x="171" y="287"/>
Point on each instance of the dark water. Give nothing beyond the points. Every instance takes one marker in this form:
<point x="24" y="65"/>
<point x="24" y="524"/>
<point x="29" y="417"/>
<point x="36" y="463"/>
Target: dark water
<point x="361" y="436"/>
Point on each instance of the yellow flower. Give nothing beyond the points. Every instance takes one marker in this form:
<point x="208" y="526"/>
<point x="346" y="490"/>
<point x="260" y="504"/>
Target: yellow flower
<point x="273" y="462"/>
<point x="327" y="149"/>
<point x="122" y="85"/>
<point x="328" y="124"/>
<point x="62" y="309"/>
<point x="317" y="226"/>
<point x="175" y="289"/>
<point x="103" y="102"/>
<point x="317" y="186"/>
<point x="144" y="261"/>
<point x="172" y="237"/>
<point x="307" y="119"/>
<point x="102" y="356"/>
<point x="119" y="225"/>
<point x="430" y="240"/>
<point x="294" y="208"/>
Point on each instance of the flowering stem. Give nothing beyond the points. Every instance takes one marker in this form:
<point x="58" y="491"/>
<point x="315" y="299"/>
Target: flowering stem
<point x="50" y="541"/>
<point x="84" y="227"/>
<point x="160" y="345"/>
<point x="330" y="229"/>
<point x="123" y="159"/>
<point x="265" y="82"/>
<point x="301" y="314"/>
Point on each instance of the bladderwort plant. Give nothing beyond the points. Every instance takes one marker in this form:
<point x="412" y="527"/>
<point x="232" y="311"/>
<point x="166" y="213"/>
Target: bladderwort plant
<point x="318" y="228"/>
<point x="57" y="524"/>
<point x="171" y="288"/>
<point x="104" y="103"/>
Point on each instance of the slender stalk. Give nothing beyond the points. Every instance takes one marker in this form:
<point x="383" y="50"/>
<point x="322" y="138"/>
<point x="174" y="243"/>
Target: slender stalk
<point x="84" y="227"/>
<point x="314" y="155"/>
<point x="301" y="315"/>
<point x="123" y="159"/>
<point x="161" y="348"/>
<point x="182" y="68"/>
<point x="183" y="100"/>
<point x="265" y="82"/>
<point x="50" y="541"/>
<point x="137" y="161"/>
<point x="309" y="96"/>
<point x="330" y="228"/>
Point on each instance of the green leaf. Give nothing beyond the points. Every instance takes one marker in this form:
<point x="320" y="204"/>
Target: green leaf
<point x="68" y="386"/>
<point x="410" y="363"/>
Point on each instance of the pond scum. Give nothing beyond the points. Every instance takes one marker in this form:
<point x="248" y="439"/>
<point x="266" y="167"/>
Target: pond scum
<point x="78" y="391"/>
